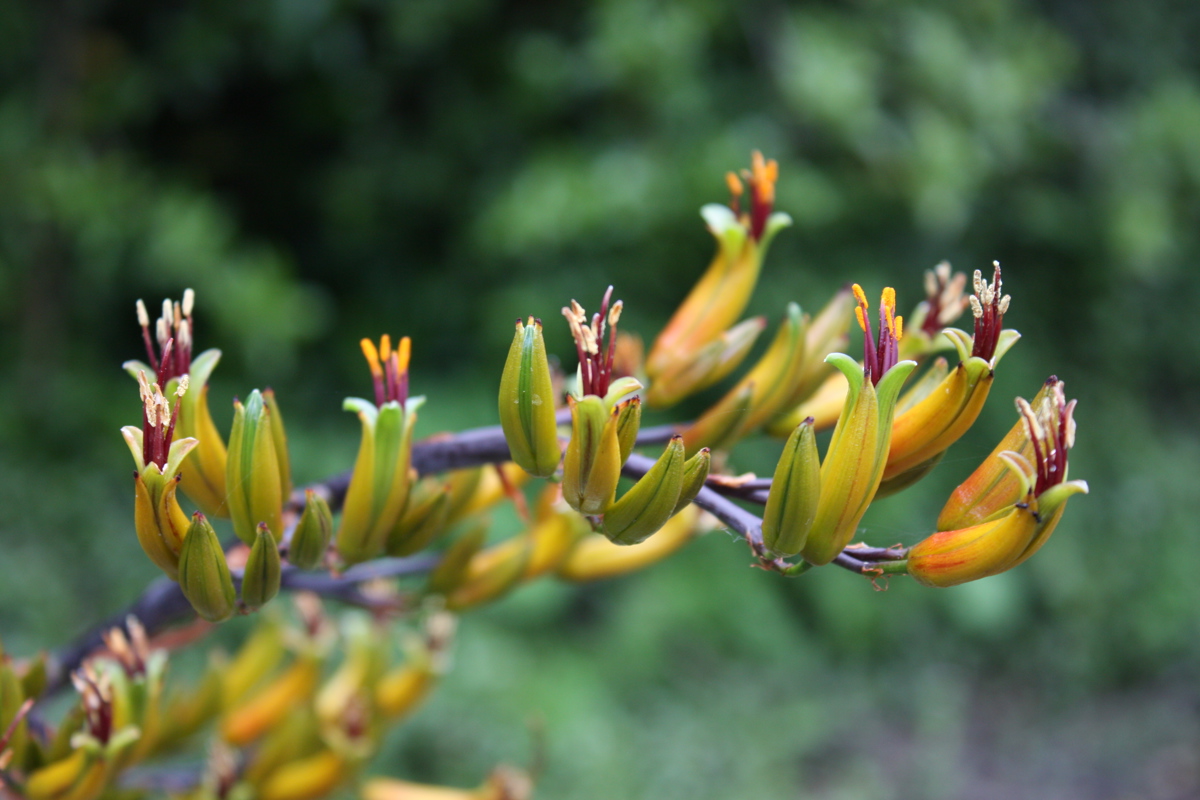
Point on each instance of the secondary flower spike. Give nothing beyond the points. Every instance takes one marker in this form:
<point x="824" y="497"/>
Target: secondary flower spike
<point x="379" y="486"/>
<point x="682" y="360"/>
<point x="854" y="462"/>
<point x="169" y="352"/>
<point x="158" y="520"/>
<point x="931" y="423"/>
<point x="952" y="557"/>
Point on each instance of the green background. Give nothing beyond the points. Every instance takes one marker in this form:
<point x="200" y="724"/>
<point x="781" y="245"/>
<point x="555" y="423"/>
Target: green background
<point x="321" y="171"/>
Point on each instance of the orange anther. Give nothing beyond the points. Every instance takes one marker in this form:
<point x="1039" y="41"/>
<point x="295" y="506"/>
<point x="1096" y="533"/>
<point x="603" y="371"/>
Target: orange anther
<point x="403" y="352"/>
<point x="372" y="356"/>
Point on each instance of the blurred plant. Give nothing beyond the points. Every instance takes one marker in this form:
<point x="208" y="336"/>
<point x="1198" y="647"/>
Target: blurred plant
<point x="302" y="707"/>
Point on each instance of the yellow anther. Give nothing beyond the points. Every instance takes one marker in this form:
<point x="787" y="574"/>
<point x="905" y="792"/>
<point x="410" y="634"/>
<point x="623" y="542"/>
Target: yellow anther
<point x="860" y="313"/>
<point x="403" y="353"/>
<point x="736" y="188"/>
<point x="887" y="302"/>
<point x="183" y="386"/>
<point x="385" y="348"/>
<point x="888" y="299"/>
<point x="860" y="296"/>
<point x="372" y="356"/>
<point x="614" y="313"/>
<point x="899" y="328"/>
<point x="976" y="306"/>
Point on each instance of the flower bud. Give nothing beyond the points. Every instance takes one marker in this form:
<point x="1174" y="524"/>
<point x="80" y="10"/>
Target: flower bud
<point x="306" y="778"/>
<point x="279" y="437"/>
<point x="592" y="465"/>
<point x="451" y="571"/>
<point x="721" y="423"/>
<point x="423" y="520"/>
<point x="491" y="573"/>
<point x="596" y="558"/>
<point x="695" y="473"/>
<point x="527" y="403"/>
<point x="706" y="366"/>
<point x="261" y="577"/>
<point x="651" y="501"/>
<point x="629" y="420"/>
<point x="795" y="489"/>
<point x="203" y="573"/>
<point x="310" y="539"/>
<point x="258" y="656"/>
<point x="249" y="720"/>
<point x="772" y="384"/>
<point x="254" y="487"/>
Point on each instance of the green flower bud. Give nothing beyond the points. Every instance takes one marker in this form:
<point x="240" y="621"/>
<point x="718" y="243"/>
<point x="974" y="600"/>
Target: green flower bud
<point x="651" y="502"/>
<point x="527" y="403"/>
<point x="593" y="462"/>
<point x="629" y="419"/>
<point x="253" y="484"/>
<point x="792" y="502"/>
<point x="204" y="574"/>
<point x="695" y="473"/>
<point x="452" y="570"/>
<point x="422" y="521"/>
<point x="279" y="436"/>
<point x="313" y="532"/>
<point x="260" y="579"/>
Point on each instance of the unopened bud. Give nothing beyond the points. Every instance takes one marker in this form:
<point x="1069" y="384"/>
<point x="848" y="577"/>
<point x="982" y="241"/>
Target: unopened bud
<point x="795" y="489"/>
<point x="260" y="580"/>
<point x="252" y="479"/>
<point x="629" y="420"/>
<point x="279" y="438"/>
<point x="651" y="501"/>
<point x="313" y="532"/>
<point x="592" y="465"/>
<point x="203" y="573"/>
<point x="695" y="473"/>
<point x="527" y="403"/>
<point x="422" y="521"/>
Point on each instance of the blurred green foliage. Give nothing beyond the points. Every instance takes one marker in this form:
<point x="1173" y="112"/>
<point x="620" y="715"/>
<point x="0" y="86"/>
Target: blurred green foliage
<point x="319" y="171"/>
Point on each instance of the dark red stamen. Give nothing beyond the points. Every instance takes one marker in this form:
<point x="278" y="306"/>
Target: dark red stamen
<point x="990" y="322"/>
